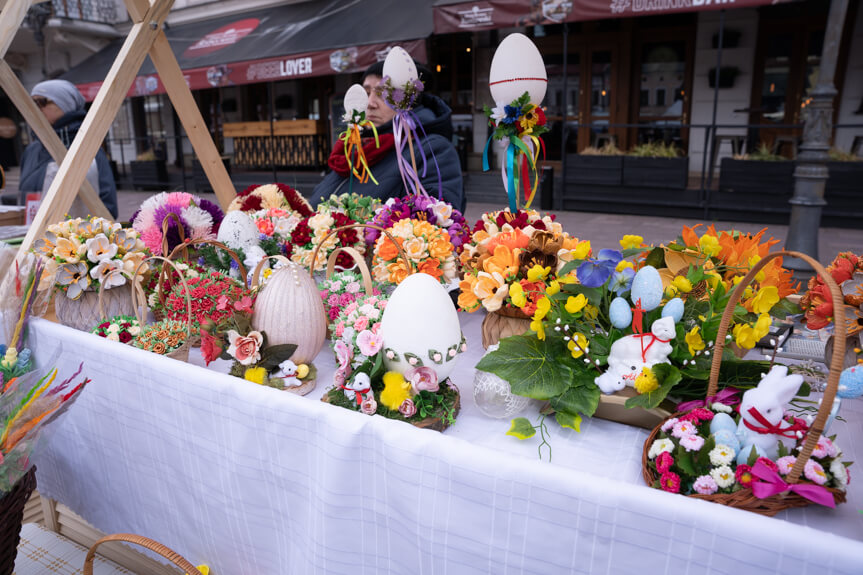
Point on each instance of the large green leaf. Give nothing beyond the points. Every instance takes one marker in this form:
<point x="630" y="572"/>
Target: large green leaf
<point x="580" y="399"/>
<point x="530" y="365"/>
<point x="668" y="376"/>
<point x="683" y="460"/>
<point x="568" y="420"/>
<point x="656" y="258"/>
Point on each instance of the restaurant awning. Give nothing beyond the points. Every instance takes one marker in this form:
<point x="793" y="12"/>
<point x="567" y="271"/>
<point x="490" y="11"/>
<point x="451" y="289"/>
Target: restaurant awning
<point x="280" y="43"/>
<point x="460" y="16"/>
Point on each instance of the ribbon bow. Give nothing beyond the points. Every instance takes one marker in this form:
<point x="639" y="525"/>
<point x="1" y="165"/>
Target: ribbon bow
<point x="358" y="393"/>
<point x="772" y="484"/>
<point x="727" y="396"/>
<point x="518" y="153"/>
<point x="788" y="432"/>
<point x="354" y="153"/>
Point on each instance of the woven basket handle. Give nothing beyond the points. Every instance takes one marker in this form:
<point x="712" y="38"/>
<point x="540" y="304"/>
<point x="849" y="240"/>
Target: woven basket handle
<point x="146" y="543"/>
<point x="139" y="300"/>
<point x="256" y="274"/>
<point x="101" y="308"/>
<point x="187" y="244"/>
<point x="358" y="259"/>
<point x="817" y="427"/>
<point x="318" y="247"/>
<point x="180" y="229"/>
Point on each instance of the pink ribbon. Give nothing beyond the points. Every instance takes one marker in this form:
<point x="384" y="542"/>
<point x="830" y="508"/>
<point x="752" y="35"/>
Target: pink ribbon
<point x="774" y="485"/>
<point x="726" y="396"/>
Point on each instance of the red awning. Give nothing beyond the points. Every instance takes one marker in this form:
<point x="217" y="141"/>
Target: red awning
<point x="459" y="16"/>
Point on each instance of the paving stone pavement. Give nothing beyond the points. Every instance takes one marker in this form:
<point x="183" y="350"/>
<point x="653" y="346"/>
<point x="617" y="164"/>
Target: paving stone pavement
<point x="605" y="230"/>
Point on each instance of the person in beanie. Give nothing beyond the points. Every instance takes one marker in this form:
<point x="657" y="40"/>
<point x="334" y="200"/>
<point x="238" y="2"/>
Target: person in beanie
<point x="63" y="105"/>
<point x="435" y="117"/>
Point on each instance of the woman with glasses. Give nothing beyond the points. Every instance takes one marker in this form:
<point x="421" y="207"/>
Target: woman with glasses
<point x="63" y="105"/>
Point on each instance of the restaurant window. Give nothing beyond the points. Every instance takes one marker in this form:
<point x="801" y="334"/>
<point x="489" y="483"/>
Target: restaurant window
<point x="660" y="96"/>
<point x="663" y="72"/>
<point x="644" y="98"/>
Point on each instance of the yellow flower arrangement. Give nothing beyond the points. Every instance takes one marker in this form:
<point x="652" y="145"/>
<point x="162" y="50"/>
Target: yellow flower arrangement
<point x="694" y="341"/>
<point x="428" y="249"/>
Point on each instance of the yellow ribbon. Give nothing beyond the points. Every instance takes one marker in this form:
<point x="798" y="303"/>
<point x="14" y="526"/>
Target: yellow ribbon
<point x="532" y="161"/>
<point x="353" y="141"/>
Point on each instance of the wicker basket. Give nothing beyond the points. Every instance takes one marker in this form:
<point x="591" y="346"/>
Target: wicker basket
<point x="140" y="305"/>
<point x="744" y="498"/>
<point x="11" y="515"/>
<point x="503" y="323"/>
<point x="146" y="543"/>
<point x="91" y="307"/>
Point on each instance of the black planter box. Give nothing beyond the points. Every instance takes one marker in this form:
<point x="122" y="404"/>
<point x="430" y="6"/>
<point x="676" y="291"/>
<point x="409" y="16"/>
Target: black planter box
<point x="667" y="173"/>
<point x="202" y="183"/>
<point x="844" y="190"/>
<point x="149" y="174"/>
<point x="750" y="186"/>
<point x="594" y="170"/>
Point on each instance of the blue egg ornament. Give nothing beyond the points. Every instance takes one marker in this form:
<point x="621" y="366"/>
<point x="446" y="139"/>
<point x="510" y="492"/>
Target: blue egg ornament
<point x="722" y="421"/>
<point x="647" y="287"/>
<point x="673" y="309"/>
<point x="743" y="456"/>
<point x="851" y="382"/>
<point x="620" y="313"/>
<point x="727" y="438"/>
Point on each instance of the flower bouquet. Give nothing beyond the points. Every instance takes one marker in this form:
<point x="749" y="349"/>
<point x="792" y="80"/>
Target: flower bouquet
<point x="214" y="296"/>
<point x="363" y="384"/>
<point x="165" y="220"/>
<point x="166" y="337"/>
<point x="122" y="328"/>
<point x="313" y="230"/>
<point x="340" y="290"/>
<point x="817" y="304"/>
<point x="418" y="207"/>
<point x="233" y="339"/>
<point x="156" y="293"/>
<point x="271" y="196"/>
<point x="356" y="207"/>
<point x="80" y="255"/>
<point x="422" y="247"/>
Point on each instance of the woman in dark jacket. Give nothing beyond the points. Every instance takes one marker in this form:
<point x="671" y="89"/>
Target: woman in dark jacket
<point x="63" y="105"/>
<point x="435" y="117"/>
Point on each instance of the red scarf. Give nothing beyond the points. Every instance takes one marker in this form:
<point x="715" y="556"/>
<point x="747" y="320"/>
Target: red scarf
<point x="339" y="164"/>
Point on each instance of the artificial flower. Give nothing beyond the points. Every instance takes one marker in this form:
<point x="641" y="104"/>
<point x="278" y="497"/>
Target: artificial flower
<point x="595" y="272"/>
<point x="694" y="341"/>
<point x="74" y="276"/>
<point x="245" y="349"/>
<point x="815" y="472"/>
<point x="621" y="281"/>
<point x="839" y="473"/>
<point x="630" y="241"/>
<point x="577" y="345"/>
<point x="516" y="295"/>
<point x="785" y="463"/>
<point x="67" y="250"/>
<point x="396" y="390"/>
<point x="669" y="424"/>
<point x="747" y="336"/>
<point x="721" y="407"/>
<point x="408" y="409"/>
<point x="369" y="343"/>
<point x="670" y="482"/>
<point x="659" y="446"/>
<point x="582" y="250"/>
<point x="100" y="248"/>
<point x="692" y="442"/>
<point x="369" y="406"/>
<point x="765" y="299"/>
<point x="423" y="379"/>
<point x="723" y="475"/>
<point x="664" y="461"/>
<point x="825" y="448"/>
<point x="683" y="428"/>
<point x="702" y="414"/>
<point x="538" y="273"/>
<point x="646" y="381"/>
<point x="705" y="485"/>
<point x="575" y="304"/>
<point x="743" y="475"/>
<point x="682" y="284"/>
<point x="553" y="288"/>
<point x="709" y="245"/>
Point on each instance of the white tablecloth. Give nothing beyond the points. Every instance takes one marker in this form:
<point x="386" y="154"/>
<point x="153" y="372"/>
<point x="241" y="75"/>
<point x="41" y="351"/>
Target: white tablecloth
<point x="251" y="480"/>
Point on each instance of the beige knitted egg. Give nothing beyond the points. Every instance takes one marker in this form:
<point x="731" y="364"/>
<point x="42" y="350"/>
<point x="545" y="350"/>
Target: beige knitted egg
<point x="289" y="309"/>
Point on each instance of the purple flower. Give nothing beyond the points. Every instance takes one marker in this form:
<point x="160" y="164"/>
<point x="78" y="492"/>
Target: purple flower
<point x="214" y="211"/>
<point x="423" y="379"/>
<point x="418" y="85"/>
<point x="398" y="96"/>
<point x="594" y="273"/>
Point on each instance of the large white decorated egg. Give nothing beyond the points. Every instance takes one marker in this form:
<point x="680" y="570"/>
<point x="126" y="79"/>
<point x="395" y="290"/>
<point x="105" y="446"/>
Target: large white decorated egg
<point x="400" y="67"/>
<point x="420" y="327"/>
<point x="356" y="99"/>
<point x="516" y="68"/>
<point x="238" y="231"/>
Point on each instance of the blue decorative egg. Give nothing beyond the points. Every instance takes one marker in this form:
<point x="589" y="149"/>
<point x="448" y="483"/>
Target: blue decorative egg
<point x="728" y="438"/>
<point x="673" y="309"/>
<point x="722" y="421"/>
<point x="620" y="313"/>
<point x="743" y="456"/>
<point x="850" y="382"/>
<point x="647" y="286"/>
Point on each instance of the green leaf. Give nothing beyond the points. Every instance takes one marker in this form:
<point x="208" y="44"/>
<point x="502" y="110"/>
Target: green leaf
<point x="683" y="460"/>
<point x="565" y="419"/>
<point x="582" y="399"/>
<point x="629" y="252"/>
<point x="530" y="365"/>
<point x="783" y="451"/>
<point x="656" y="258"/>
<point x="753" y="457"/>
<point x="521" y="428"/>
<point x="784" y="308"/>
<point x="702" y="459"/>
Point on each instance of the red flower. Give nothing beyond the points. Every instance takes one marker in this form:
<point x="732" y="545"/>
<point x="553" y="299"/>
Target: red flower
<point x="743" y="475"/>
<point x="302" y="234"/>
<point x="344" y="260"/>
<point x="670" y="482"/>
<point x="210" y="348"/>
<point x="104" y="325"/>
<point x="251" y="204"/>
<point x="664" y="462"/>
<point x="249" y="190"/>
<point x="295" y="200"/>
<point x="540" y="116"/>
<point x="125" y="337"/>
<point x="702" y="414"/>
<point x="199" y="292"/>
<point x="214" y="290"/>
<point x="768" y="464"/>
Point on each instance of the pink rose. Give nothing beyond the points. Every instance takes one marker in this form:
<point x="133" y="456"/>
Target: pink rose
<point x="245" y="349"/>
<point x="333" y="300"/>
<point x="369" y="343"/>
<point x="346" y="299"/>
<point x="339" y="377"/>
<point x="407" y="408"/>
<point x="361" y="324"/>
<point x="369" y="405"/>
<point x="423" y="379"/>
<point x="340" y="329"/>
<point x="353" y="287"/>
<point x="351" y="308"/>
<point x="343" y="355"/>
<point x="334" y="313"/>
<point x="376" y="328"/>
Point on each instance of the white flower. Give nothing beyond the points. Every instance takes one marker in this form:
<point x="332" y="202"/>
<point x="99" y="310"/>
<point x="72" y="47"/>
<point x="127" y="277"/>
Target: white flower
<point x="443" y="211"/>
<point x="321" y="221"/>
<point x="254" y="255"/>
<point x="370" y="311"/>
<point x="109" y="273"/>
<point x="721" y="455"/>
<point x="284" y="226"/>
<point x="660" y="446"/>
<point x="335" y="285"/>
<point x="721" y="408"/>
<point x="113" y="328"/>
<point x="113" y="337"/>
<point x="200" y="222"/>
<point x="134" y="330"/>
<point x="152" y="300"/>
<point x="498" y="113"/>
<point x="74" y="276"/>
<point x="100" y="248"/>
<point x="839" y="472"/>
<point x="724" y="476"/>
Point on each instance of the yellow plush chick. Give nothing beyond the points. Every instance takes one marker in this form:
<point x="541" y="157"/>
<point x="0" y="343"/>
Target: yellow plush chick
<point x="396" y="390"/>
<point x="302" y="370"/>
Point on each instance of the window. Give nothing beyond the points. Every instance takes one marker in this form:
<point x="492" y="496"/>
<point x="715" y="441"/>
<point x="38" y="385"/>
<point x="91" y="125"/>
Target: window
<point x="644" y="98"/>
<point x="660" y="97"/>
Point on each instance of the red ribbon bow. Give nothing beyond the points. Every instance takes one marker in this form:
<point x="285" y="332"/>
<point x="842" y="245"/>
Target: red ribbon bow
<point x="789" y="432"/>
<point x="358" y="394"/>
<point x="727" y="396"/>
<point x="774" y="485"/>
<point x="653" y="339"/>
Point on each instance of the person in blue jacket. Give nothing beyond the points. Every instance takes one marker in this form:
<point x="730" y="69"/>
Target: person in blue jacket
<point x="436" y="120"/>
<point x="63" y="105"/>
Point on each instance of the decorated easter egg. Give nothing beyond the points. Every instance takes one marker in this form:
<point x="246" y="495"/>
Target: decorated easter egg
<point x="238" y="231"/>
<point x="851" y="382"/>
<point x="400" y="67"/>
<point x="647" y="287"/>
<point x="289" y="309"/>
<point x="722" y="421"/>
<point x="356" y="99"/>
<point x="620" y="313"/>
<point x="728" y="438"/>
<point x="673" y="309"/>
<point x="516" y="68"/>
<point x="420" y="328"/>
<point x="744" y="454"/>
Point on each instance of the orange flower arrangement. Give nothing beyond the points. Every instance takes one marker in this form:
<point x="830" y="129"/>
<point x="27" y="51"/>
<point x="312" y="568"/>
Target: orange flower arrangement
<point x="817" y="304"/>
<point x="427" y="247"/>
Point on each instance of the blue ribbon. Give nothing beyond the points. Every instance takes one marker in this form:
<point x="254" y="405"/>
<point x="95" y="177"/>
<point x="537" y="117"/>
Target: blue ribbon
<point x="510" y="175"/>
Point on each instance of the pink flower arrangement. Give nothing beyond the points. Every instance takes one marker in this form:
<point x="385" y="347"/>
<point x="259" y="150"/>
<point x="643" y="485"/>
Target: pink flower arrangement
<point x="692" y="442"/>
<point x="369" y="343"/>
<point x="199" y="218"/>
<point x="341" y="290"/>
<point x="355" y="334"/>
<point x="408" y="408"/>
<point x="669" y="424"/>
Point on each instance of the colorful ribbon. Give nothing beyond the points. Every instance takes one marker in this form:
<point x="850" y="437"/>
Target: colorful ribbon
<point x="405" y="125"/>
<point x="354" y="149"/>
<point x="774" y="429"/>
<point x="727" y="396"/>
<point x="518" y="153"/>
<point x="772" y="484"/>
<point x="653" y="339"/>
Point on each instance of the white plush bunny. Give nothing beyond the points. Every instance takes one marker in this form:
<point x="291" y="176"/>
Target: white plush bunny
<point x="632" y="353"/>
<point x="288" y="372"/>
<point x="761" y="411"/>
<point x="359" y="384"/>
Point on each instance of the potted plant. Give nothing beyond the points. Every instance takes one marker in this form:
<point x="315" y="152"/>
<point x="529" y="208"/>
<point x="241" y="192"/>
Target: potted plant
<point x="148" y="171"/>
<point x="596" y="167"/>
<point x="655" y="165"/>
<point x="758" y="183"/>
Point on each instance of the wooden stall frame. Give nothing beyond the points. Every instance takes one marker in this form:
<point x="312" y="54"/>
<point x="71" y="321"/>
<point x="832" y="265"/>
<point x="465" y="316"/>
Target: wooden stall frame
<point x="145" y="37"/>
